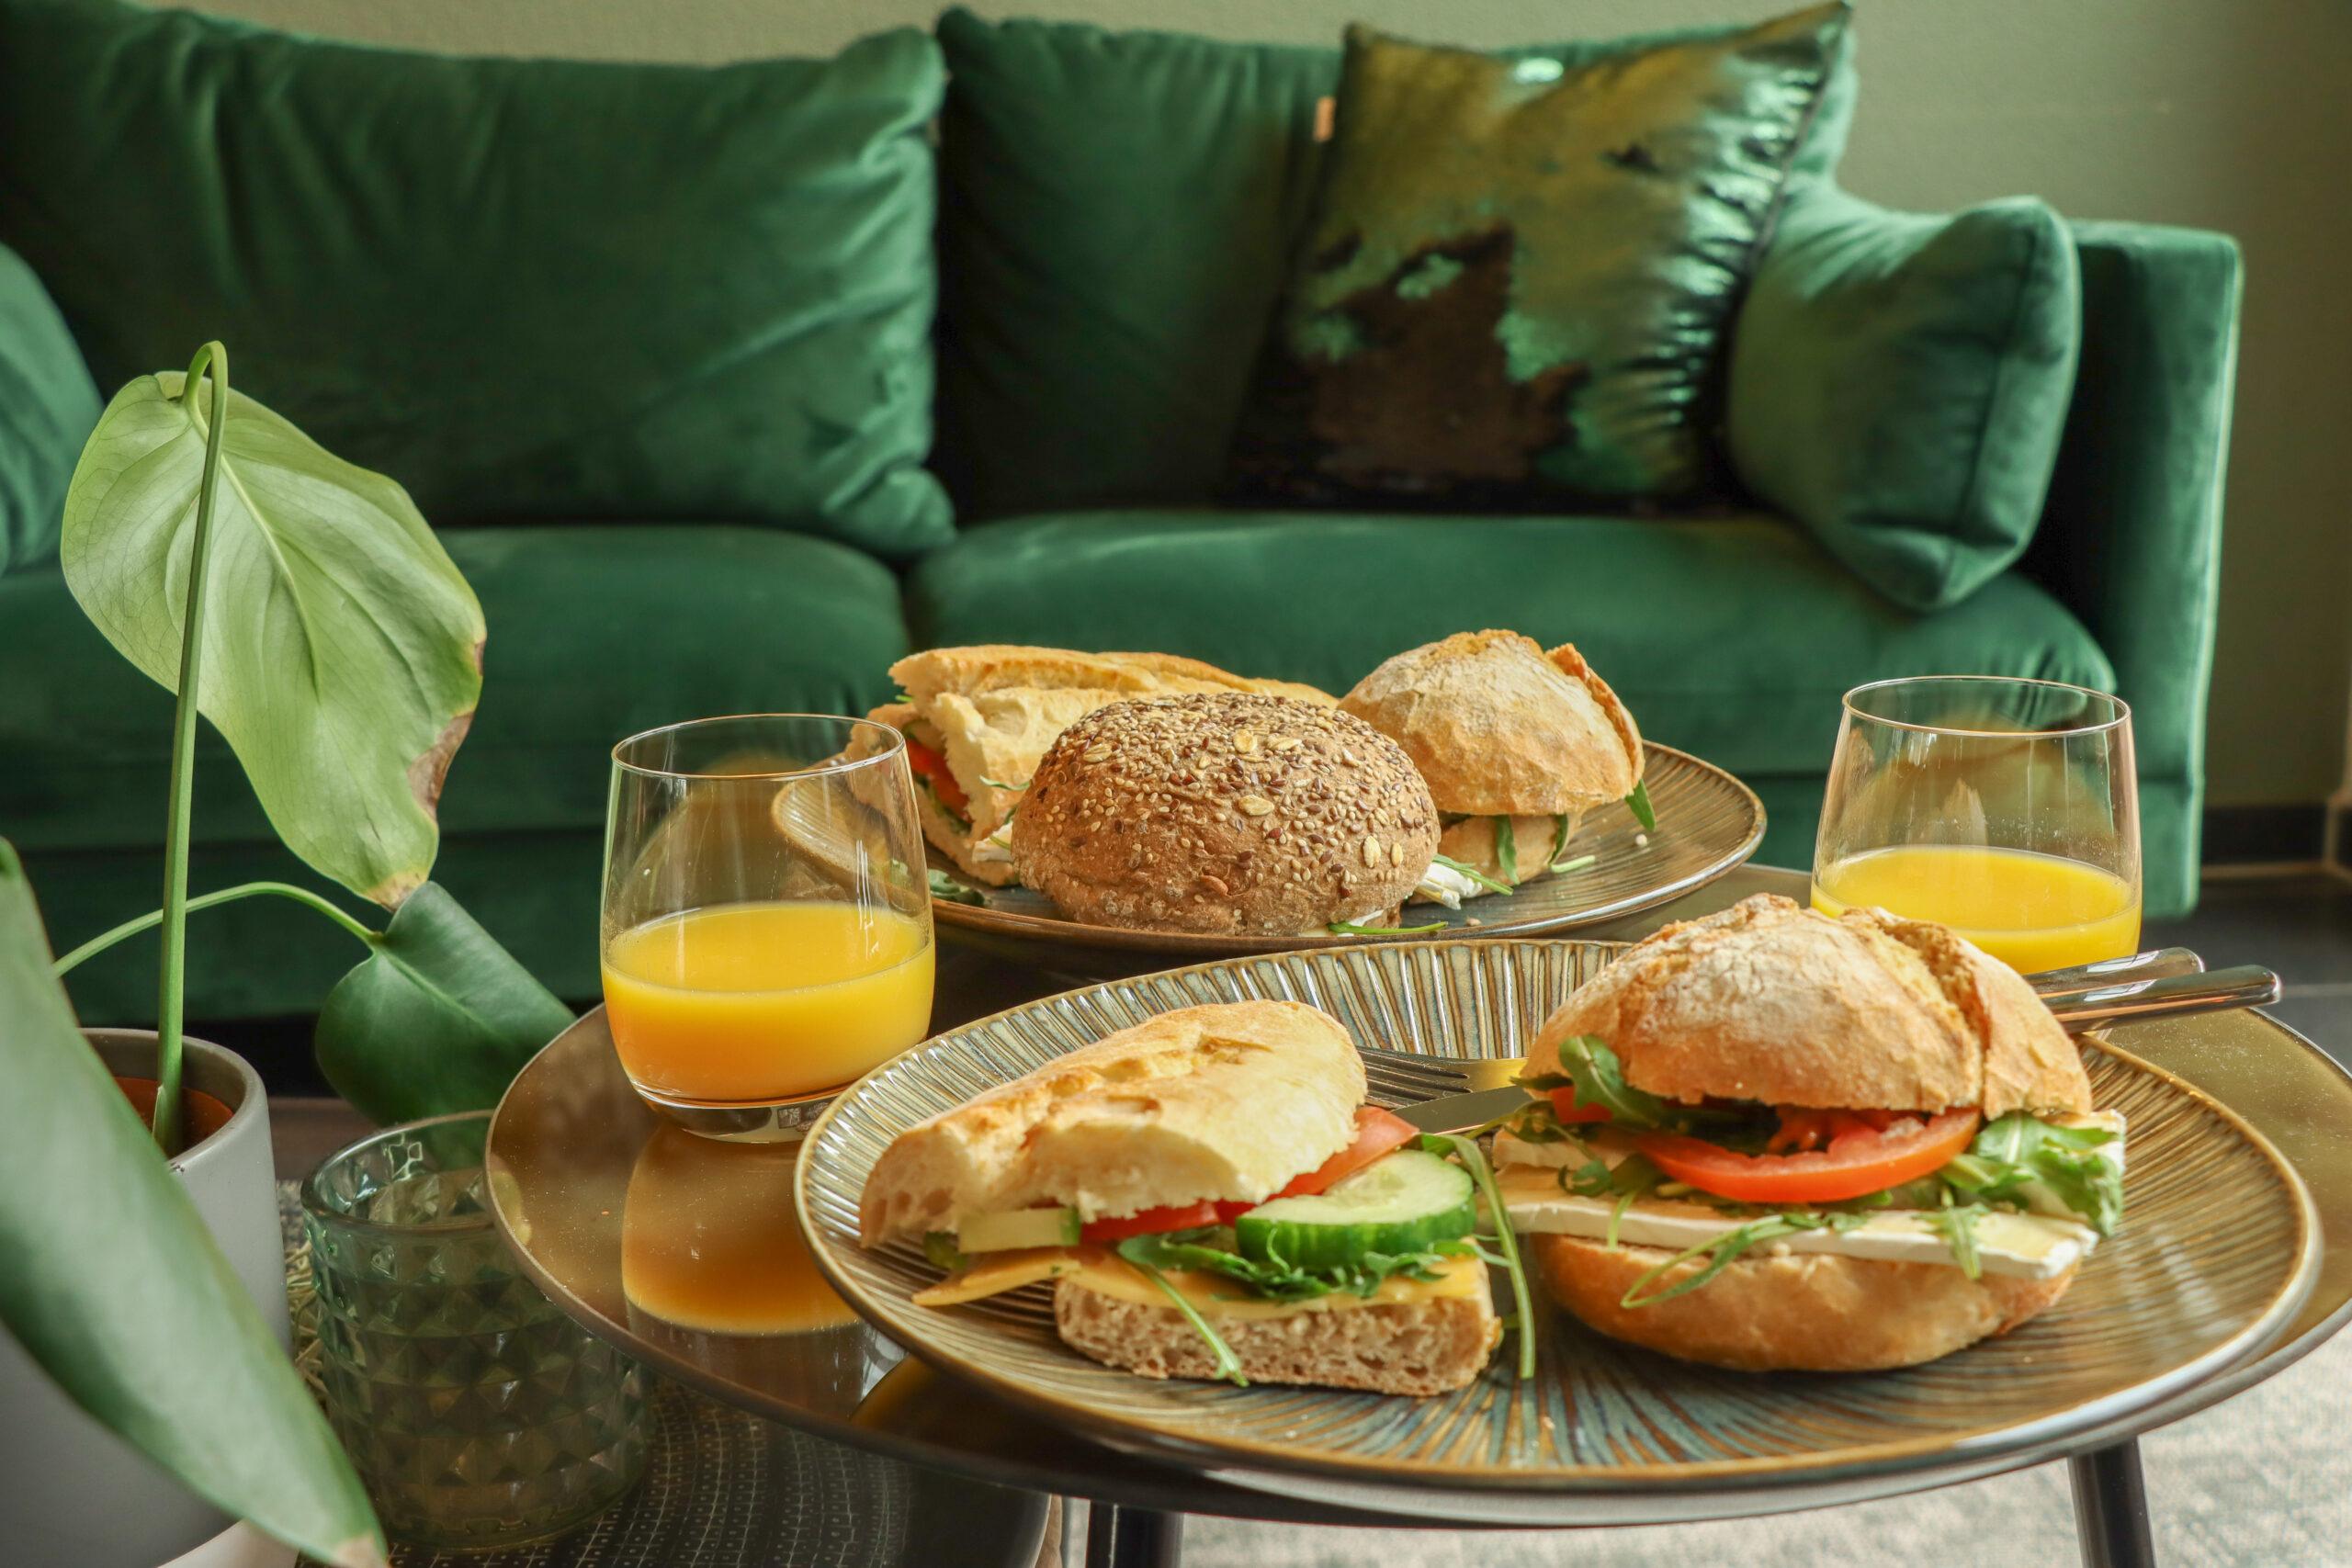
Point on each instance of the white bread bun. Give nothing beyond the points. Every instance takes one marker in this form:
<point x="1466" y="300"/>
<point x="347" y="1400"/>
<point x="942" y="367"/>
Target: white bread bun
<point x="1227" y="1101"/>
<point x="1804" y="1311"/>
<point x="1472" y="841"/>
<point x="1772" y="1001"/>
<point x="1499" y="727"/>
<point x="1225" y="813"/>
<point x="1415" y="1348"/>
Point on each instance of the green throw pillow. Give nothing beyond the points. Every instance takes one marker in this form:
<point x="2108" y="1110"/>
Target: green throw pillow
<point x="522" y="287"/>
<point x="1899" y="385"/>
<point x="1118" y="213"/>
<point x="47" y="408"/>
<point x="1517" y="285"/>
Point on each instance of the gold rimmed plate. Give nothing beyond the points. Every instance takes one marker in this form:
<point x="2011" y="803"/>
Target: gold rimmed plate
<point x="2218" y="1248"/>
<point x="1708" y="823"/>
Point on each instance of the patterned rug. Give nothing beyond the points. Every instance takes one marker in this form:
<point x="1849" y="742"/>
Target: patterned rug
<point x="2264" y="1481"/>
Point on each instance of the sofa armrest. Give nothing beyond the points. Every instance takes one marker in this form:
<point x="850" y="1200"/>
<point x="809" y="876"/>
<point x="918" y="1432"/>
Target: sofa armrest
<point x="2131" y="536"/>
<point x="47" y="408"/>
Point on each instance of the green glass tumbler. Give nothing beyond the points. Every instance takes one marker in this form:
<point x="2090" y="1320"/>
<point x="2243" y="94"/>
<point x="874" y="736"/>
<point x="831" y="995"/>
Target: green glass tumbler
<point x="477" y="1414"/>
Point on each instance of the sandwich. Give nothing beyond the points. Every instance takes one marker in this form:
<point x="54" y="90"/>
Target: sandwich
<point x="1226" y="814"/>
<point x="1209" y="1197"/>
<point x="1517" y="745"/>
<point x="977" y="720"/>
<point x="1769" y="1140"/>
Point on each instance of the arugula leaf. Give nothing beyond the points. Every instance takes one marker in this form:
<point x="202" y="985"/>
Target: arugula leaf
<point x="1589" y="1179"/>
<point x="1634" y="1178"/>
<point x="999" y="784"/>
<point x="939" y="1248"/>
<point x="2018" y="1150"/>
<point x="1958" y="1223"/>
<point x="1473" y="873"/>
<point x="1639" y="804"/>
<point x="1475" y="1161"/>
<point x="1349" y="927"/>
<point x="1229" y="1365"/>
<point x="1591" y="1068"/>
<point x="947" y="890"/>
<point x="1561" y="868"/>
<point x="1202" y="1249"/>
<point x="1720" y="1253"/>
<point x="1507" y="850"/>
<point x="1559" y="838"/>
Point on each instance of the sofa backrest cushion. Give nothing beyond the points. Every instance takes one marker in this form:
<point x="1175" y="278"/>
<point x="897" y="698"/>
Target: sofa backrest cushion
<point x="524" y="288"/>
<point x="47" y="408"/>
<point x="1118" y="214"/>
<point x="1899" y="385"/>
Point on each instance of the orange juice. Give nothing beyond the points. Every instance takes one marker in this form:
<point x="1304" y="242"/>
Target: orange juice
<point x="709" y="1240"/>
<point x="2032" y="911"/>
<point x="757" y="1003"/>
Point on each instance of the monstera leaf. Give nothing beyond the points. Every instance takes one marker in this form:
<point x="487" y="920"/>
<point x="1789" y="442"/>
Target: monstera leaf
<point x="113" y="1284"/>
<point x="438" y="1018"/>
<point x="342" y="649"/>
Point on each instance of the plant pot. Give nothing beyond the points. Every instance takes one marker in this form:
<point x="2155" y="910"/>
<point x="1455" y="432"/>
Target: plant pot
<point x="72" y="1493"/>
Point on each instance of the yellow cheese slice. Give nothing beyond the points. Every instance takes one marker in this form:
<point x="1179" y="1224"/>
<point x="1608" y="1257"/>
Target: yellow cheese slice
<point x="1099" y="1268"/>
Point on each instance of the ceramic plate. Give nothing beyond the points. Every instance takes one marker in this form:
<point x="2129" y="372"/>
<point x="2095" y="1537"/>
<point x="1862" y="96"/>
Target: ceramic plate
<point x="1708" y="822"/>
<point x="2218" y="1248"/>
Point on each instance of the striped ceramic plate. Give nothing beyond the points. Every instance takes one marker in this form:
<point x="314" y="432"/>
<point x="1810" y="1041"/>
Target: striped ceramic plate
<point x="1708" y="822"/>
<point x="2218" y="1246"/>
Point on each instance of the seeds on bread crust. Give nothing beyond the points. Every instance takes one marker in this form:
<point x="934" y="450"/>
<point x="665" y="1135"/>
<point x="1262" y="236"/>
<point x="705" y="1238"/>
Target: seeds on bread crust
<point x="1152" y="814"/>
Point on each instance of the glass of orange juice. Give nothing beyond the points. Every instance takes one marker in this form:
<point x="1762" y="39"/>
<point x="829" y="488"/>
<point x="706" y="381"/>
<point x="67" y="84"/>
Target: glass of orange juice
<point x="766" y="935"/>
<point x="2007" y="810"/>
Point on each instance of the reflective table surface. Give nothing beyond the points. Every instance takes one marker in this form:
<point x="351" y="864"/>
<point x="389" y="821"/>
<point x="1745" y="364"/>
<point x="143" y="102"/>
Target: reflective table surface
<point x="687" y="1253"/>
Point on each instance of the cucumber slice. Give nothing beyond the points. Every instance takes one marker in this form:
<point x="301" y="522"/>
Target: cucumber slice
<point x="1018" y="1228"/>
<point x="1403" y="1202"/>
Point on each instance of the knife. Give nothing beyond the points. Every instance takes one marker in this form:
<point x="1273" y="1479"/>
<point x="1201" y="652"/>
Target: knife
<point x="2084" y="1007"/>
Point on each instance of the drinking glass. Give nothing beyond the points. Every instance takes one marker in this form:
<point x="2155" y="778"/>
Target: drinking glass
<point x="766" y="933"/>
<point x="477" y="1414"/>
<point x="2007" y="810"/>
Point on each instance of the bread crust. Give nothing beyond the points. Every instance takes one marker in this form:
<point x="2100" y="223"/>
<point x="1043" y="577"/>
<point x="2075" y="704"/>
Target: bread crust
<point x="1417" y="1348"/>
<point x="1801" y="1311"/>
<point x="1499" y="727"/>
<point x="987" y="667"/>
<point x="1229" y="1102"/>
<point x="1225" y="813"/>
<point x="1771" y="1001"/>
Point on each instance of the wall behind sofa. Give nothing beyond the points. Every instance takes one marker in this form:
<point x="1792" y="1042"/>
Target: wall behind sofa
<point x="2222" y="116"/>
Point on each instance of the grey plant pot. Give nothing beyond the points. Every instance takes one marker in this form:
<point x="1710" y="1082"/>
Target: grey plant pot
<point x="70" y="1491"/>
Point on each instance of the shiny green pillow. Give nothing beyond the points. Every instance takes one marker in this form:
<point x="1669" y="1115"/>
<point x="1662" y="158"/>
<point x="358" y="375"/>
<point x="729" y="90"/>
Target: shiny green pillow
<point x="1899" y="385"/>
<point x="1516" y="284"/>
<point x="47" y="408"/>
<point x="525" y="288"/>
<point x="1118" y="212"/>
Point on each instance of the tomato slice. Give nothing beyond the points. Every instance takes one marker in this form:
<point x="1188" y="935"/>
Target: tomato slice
<point x="932" y="768"/>
<point x="1565" y="1108"/>
<point x="1858" y="1159"/>
<point x="1151" y="1221"/>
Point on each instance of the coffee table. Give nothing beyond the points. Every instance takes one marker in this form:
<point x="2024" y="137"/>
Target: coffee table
<point x="570" y="1131"/>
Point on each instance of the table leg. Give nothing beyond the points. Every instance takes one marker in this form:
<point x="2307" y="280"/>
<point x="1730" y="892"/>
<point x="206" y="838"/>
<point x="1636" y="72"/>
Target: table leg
<point x="1131" y="1538"/>
<point x="2111" y="1507"/>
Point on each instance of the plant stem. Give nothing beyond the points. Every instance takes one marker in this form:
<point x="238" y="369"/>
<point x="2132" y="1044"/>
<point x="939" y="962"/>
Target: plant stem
<point x="107" y="938"/>
<point x="175" y="829"/>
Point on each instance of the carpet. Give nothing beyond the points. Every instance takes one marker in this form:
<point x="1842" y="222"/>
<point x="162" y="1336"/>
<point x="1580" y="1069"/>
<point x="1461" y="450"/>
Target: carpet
<point x="2263" y="1481"/>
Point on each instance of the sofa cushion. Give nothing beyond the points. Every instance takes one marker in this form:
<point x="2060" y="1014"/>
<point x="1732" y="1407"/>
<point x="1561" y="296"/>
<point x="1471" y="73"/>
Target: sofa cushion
<point x="1455" y="335"/>
<point x="521" y="287"/>
<point x="47" y="408"/>
<point x="1118" y="210"/>
<point x="595" y="632"/>
<point x="1899" y="384"/>
<point x="1733" y="639"/>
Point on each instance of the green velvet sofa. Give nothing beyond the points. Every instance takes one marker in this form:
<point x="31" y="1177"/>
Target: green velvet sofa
<point x="1080" y="455"/>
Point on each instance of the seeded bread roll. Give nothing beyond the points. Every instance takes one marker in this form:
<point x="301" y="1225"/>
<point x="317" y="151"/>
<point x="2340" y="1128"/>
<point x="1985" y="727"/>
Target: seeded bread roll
<point x="1226" y="814"/>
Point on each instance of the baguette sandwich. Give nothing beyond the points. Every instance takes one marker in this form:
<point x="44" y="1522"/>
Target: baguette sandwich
<point x="1210" y="1197"/>
<point x="977" y="720"/>
<point x="1768" y="1139"/>
<point x="1517" y="744"/>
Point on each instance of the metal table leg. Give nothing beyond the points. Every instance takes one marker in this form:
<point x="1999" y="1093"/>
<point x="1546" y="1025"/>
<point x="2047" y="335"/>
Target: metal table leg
<point x="2111" y="1507"/>
<point x="1131" y="1538"/>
